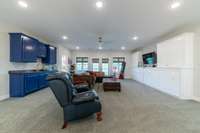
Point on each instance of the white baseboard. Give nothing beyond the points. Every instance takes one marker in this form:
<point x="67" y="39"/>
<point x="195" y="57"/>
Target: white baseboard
<point x="196" y="99"/>
<point x="4" y="97"/>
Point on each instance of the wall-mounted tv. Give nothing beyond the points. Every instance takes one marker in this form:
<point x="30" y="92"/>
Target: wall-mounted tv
<point x="150" y="58"/>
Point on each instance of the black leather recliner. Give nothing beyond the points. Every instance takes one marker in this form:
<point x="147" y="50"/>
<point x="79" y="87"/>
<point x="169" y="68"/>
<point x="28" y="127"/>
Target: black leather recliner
<point x="75" y="105"/>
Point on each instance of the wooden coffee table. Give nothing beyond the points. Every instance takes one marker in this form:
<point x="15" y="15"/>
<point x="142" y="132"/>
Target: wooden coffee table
<point x="111" y="85"/>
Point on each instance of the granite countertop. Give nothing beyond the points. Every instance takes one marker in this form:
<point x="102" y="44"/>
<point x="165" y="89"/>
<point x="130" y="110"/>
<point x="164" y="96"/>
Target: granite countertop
<point x="29" y="71"/>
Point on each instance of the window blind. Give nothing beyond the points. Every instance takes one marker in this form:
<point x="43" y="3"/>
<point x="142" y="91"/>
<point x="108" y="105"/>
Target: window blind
<point x="95" y="60"/>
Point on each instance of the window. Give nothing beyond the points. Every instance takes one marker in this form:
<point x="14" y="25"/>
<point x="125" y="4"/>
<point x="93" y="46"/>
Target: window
<point x="81" y="64"/>
<point x="117" y="63"/>
<point x="95" y="64"/>
<point x="105" y="66"/>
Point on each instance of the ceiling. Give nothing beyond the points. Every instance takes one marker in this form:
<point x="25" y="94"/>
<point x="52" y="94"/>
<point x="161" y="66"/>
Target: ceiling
<point x="117" y="22"/>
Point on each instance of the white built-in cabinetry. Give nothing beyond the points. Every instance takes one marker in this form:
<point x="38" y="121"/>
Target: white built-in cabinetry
<point x="138" y="74"/>
<point x="176" y="52"/>
<point x="174" y="73"/>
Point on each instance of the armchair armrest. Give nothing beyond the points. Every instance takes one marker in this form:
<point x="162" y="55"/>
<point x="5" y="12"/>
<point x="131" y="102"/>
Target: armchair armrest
<point x="88" y="96"/>
<point x="81" y="86"/>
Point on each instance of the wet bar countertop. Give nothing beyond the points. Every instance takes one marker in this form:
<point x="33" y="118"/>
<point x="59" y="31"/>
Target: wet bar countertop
<point x="30" y="71"/>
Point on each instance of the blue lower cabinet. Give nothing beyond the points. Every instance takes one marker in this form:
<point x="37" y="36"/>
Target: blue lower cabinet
<point x="42" y="82"/>
<point x="17" y="85"/>
<point x="30" y="83"/>
<point x="22" y="84"/>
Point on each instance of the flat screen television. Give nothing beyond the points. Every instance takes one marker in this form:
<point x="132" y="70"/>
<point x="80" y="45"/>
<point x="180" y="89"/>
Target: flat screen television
<point x="150" y="58"/>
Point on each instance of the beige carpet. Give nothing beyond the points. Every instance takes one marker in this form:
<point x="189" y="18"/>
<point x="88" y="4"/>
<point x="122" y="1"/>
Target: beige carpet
<point x="137" y="109"/>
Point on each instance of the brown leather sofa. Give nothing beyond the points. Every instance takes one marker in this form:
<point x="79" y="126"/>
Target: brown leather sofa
<point x="84" y="79"/>
<point x="88" y="78"/>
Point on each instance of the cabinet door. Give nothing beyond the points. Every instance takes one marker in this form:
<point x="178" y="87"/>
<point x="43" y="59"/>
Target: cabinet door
<point x="16" y="47"/>
<point x="42" y="80"/>
<point x="55" y="56"/>
<point x="42" y="50"/>
<point x="53" y="53"/>
<point x="29" y="49"/>
<point x="30" y="83"/>
<point x="169" y="81"/>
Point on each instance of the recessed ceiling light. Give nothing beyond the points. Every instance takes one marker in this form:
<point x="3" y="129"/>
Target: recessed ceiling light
<point x="77" y="47"/>
<point x="23" y="4"/>
<point x="100" y="48"/>
<point x="99" y="4"/>
<point x="64" y="37"/>
<point x="135" y="38"/>
<point x="175" y="5"/>
<point x="123" y="48"/>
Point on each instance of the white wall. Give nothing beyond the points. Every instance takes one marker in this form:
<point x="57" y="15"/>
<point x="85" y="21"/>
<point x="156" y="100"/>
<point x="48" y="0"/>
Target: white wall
<point x="136" y="59"/>
<point x="5" y="64"/>
<point x="62" y="59"/>
<point x="197" y="64"/>
<point x="106" y="54"/>
<point x="149" y="49"/>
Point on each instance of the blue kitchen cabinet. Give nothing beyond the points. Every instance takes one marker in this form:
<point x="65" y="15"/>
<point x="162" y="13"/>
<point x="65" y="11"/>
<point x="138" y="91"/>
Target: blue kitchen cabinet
<point x="23" y="48"/>
<point x="16" y="85"/>
<point x="42" y="50"/>
<point x="51" y="55"/>
<point x="30" y="83"/>
<point x="42" y="82"/>
<point x="23" y="83"/>
<point x="29" y="49"/>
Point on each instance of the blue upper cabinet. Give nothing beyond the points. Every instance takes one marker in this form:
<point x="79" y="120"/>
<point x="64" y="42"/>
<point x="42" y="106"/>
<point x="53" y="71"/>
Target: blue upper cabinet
<point x="51" y="57"/>
<point x="29" y="50"/>
<point x="42" y="50"/>
<point x="22" y="48"/>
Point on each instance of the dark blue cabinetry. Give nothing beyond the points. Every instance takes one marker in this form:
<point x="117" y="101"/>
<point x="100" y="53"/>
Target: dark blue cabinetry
<point x="30" y="83"/>
<point x="42" y="82"/>
<point x="29" y="50"/>
<point x="42" y="50"/>
<point x="51" y="55"/>
<point x="24" y="48"/>
<point x="23" y="83"/>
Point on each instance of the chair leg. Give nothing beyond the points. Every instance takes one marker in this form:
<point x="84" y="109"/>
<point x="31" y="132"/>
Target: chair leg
<point x="64" y="125"/>
<point x="99" y="116"/>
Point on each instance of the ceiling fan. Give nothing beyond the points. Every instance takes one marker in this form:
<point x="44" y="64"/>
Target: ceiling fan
<point x="100" y="43"/>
